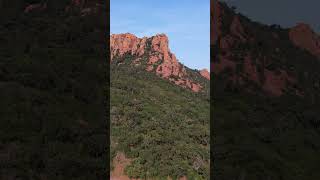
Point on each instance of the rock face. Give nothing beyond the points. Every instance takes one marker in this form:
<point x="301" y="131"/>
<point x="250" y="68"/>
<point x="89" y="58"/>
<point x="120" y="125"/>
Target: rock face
<point x="205" y="73"/>
<point x="304" y="37"/>
<point x="126" y="43"/>
<point x="237" y="59"/>
<point x="269" y="70"/>
<point x="155" y="55"/>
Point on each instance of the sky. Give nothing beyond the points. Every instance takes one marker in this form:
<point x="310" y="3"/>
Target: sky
<point x="186" y="23"/>
<point x="283" y="12"/>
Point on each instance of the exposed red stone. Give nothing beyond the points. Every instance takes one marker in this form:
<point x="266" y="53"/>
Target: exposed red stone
<point x="187" y="83"/>
<point x="154" y="59"/>
<point x="37" y="6"/>
<point x="120" y="162"/>
<point x="304" y="37"/>
<point x="87" y="11"/>
<point x="223" y="64"/>
<point x="251" y="69"/>
<point x="123" y="43"/>
<point x="205" y="73"/>
<point x="77" y="2"/>
<point x="237" y="29"/>
<point x="242" y="67"/>
<point x="168" y="68"/>
<point x="195" y="87"/>
<point x="226" y="42"/>
<point x="149" y="68"/>
<point x="159" y="43"/>
<point x="170" y="65"/>
<point x="160" y="59"/>
<point x="276" y="83"/>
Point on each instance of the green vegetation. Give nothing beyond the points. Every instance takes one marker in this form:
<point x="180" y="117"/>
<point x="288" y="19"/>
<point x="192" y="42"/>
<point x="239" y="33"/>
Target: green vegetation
<point x="260" y="137"/>
<point x="265" y="138"/>
<point x="162" y="127"/>
<point x="52" y="83"/>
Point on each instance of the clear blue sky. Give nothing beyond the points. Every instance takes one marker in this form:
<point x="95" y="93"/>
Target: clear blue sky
<point x="186" y="23"/>
<point x="283" y="12"/>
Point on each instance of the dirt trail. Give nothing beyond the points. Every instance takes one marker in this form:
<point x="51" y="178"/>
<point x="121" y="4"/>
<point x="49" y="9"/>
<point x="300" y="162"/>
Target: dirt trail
<point x="119" y="162"/>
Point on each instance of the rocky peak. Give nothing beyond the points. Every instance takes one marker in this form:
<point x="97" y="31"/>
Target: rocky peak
<point x="304" y="37"/>
<point x="121" y="44"/>
<point x="162" y="37"/>
<point x="241" y="66"/>
<point x="302" y="27"/>
<point x="126" y="43"/>
<point x="154" y="52"/>
<point x="205" y="73"/>
<point x="160" y="43"/>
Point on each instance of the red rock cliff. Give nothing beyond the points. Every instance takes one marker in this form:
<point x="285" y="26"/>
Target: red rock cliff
<point x="205" y="73"/>
<point x="243" y="67"/>
<point x="154" y="52"/>
<point x="304" y="37"/>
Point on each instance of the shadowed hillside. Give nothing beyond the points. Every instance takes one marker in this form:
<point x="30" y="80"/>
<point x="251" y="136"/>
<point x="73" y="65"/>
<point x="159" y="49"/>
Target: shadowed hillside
<point x="52" y="82"/>
<point x="265" y="99"/>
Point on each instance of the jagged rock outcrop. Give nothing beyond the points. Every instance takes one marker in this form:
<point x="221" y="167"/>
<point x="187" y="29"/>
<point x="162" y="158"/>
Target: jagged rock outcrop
<point x="266" y="86"/>
<point x="126" y="43"/>
<point x="236" y="55"/>
<point x="155" y="54"/>
<point x="304" y="37"/>
<point x="205" y="73"/>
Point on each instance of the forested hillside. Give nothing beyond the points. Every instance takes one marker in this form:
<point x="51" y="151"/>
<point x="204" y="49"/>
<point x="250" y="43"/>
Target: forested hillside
<point x="265" y="100"/>
<point x="52" y="90"/>
<point x="161" y="126"/>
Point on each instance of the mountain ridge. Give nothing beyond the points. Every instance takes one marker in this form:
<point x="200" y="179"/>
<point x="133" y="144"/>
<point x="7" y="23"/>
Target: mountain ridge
<point x="303" y="36"/>
<point x="253" y="48"/>
<point x="154" y="53"/>
<point x="160" y="125"/>
<point x="266" y="100"/>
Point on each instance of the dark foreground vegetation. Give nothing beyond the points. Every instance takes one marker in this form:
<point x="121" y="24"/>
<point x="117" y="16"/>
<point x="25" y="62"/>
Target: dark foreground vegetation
<point x="257" y="136"/>
<point x="52" y="93"/>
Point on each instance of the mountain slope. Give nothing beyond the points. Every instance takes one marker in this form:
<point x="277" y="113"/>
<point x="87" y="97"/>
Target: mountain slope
<point x="161" y="126"/>
<point x="265" y="100"/>
<point x="52" y="84"/>
<point x="264" y="57"/>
